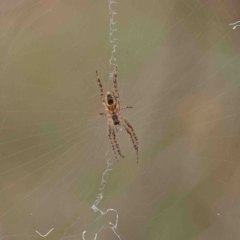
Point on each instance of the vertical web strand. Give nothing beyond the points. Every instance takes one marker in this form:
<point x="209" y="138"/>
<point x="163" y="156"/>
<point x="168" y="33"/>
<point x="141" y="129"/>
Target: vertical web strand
<point x="94" y="207"/>
<point x="112" y="38"/>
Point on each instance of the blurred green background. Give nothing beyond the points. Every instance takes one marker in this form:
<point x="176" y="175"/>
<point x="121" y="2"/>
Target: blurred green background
<point x="178" y="67"/>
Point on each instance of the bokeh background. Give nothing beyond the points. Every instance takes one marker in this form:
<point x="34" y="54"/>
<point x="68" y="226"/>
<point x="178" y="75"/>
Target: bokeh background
<point x="179" y="67"/>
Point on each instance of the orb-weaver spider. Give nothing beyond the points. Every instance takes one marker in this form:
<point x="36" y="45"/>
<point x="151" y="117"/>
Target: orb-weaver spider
<point x="110" y="101"/>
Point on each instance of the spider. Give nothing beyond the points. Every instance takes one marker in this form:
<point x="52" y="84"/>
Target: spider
<point x="110" y="101"/>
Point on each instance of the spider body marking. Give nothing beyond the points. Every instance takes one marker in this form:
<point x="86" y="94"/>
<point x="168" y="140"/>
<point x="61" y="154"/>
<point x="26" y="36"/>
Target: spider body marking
<point x="110" y="101"/>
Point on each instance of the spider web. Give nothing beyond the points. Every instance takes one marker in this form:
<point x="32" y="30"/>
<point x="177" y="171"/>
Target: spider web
<point x="178" y="67"/>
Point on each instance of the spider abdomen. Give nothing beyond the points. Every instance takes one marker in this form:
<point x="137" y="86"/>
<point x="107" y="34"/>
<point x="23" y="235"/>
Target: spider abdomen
<point x="115" y="119"/>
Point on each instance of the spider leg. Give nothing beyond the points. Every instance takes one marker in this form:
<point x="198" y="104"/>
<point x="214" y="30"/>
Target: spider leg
<point x="115" y="82"/>
<point x="115" y="140"/>
<point x="130" y="126"/>
<point x="111" y="141"/>
<point x="103" y="114"/>
<point x="125" y="107"/>
<point x="100" y="86"/>
<point x="132" y="135"/>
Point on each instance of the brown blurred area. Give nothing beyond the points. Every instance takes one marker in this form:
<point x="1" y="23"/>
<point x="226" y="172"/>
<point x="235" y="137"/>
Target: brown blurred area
<point x="178" y="67"/>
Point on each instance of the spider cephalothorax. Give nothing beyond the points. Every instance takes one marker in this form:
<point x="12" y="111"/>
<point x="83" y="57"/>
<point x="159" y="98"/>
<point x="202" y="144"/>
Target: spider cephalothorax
<point x="115" y="119"/>
<point x="111" y="103"/>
